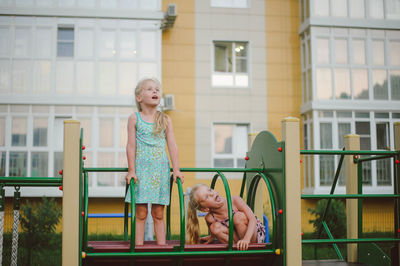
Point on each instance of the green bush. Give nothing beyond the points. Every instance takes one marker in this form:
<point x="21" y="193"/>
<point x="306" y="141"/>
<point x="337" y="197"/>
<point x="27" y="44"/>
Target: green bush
<point x="335" y="218"/>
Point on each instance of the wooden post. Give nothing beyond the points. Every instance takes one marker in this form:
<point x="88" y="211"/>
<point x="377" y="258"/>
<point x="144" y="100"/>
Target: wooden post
<point x="396" y="184"/>
<point x="352" y="142"/>
<point x="259" y="200"/>
<point x="291" y="136"/>
<point x="70" y="201"/>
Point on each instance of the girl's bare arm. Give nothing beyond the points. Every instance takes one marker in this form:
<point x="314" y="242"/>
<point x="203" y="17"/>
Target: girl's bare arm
<point x="131" y="149"/>
<point x="173" y="150"/>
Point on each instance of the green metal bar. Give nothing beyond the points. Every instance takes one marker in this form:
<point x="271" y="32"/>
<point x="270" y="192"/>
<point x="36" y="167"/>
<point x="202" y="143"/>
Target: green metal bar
<point x="242" y="187"/>
<point x="358" y="240"/>
<point x="133" y="215"/>
<point x="86" y="206"/>
<point x="32" y="180"/>
<point x="359" y="200"/>
<point x="13" y="184"/>
<point x="182" y="214"/>
<point x="349" y="196"/>
<point x="229" y="201"/>
<point x="168" y="227"/>
<point x="339" y="152"/>
<point x="360" y="160"/>
<point x="331" y="237"/>
<point x="81" y="200"/>
<point x="283" y="145"/>
<point x="180" y="254"/>
<point x="126" y="214"/>
<point x="209" y="170"/>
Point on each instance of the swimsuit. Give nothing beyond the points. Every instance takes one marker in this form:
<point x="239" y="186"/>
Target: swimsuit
<point x="259" y="227"/>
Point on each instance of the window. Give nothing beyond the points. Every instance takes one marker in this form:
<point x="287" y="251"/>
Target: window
<point x="230" y="145"/>
<point x="230" y="3"/>
<point x="65" y="42"/>
<point x="383" y="167"/>
<point x="230" y="64"/>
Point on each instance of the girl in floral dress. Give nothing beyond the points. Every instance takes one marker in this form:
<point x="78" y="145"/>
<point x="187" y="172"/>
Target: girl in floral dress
<point x="149" y="131"/>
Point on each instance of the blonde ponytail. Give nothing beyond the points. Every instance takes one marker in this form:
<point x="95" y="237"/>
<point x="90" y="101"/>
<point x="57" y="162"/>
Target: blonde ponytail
<point x="160" y="120"/>
<point x="192" y="226"/>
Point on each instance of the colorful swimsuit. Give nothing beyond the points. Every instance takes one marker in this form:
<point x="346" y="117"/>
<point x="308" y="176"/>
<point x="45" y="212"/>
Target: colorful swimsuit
<point x="259" y="227"/>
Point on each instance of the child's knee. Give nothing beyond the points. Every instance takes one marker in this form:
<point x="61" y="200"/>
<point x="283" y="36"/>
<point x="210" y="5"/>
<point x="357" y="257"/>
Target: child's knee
<point x="157" y="214"/>
<point x="141" y="213"/>
<point x="240" y="218"/>
<point x="216" y="227"/>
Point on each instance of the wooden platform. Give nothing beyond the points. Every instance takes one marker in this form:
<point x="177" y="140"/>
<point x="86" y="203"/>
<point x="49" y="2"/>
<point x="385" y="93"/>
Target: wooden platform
<point x="151" y="246"/>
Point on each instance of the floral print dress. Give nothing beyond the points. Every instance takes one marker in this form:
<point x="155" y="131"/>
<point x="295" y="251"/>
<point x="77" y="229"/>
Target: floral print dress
<point x="151" y="166"/>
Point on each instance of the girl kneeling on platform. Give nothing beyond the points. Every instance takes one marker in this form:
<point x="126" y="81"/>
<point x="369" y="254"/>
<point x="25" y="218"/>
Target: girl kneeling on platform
<point x="247" y="227"/>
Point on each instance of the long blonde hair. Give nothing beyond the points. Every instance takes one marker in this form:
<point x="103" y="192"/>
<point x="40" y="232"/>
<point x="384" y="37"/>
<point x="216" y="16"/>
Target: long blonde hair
<point x="192" y="226"/>
<point x="160" y="119"/>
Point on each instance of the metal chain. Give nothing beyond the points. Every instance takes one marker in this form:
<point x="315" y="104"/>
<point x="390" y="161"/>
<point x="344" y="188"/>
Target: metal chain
<point x="14" y="251"/>
<point x="1" y="236"/>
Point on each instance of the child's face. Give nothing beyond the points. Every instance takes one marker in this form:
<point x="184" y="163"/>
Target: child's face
<point x="208" y="198"/>
<point x="150" y="94"/>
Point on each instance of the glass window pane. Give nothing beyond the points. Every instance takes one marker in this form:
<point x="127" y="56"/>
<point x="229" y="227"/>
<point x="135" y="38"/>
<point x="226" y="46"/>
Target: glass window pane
<point x="376" y="9"/>
<point x="123" y="135"/>
<point x="343" y="114"/>
<point x="379" y="84"/>
<point x="64" y="77"/>
<point x="240" y="163"/>
<point x="43" y="43"/>
<point x="325" y="135"/>
<point x="378" y="52"/>
<point x="65" y="42"/>
<point x="384" y="172"/>
<point x="360" y="84"/>
<point x="18" y="164"/>
<point x="107" y="43"/>
<point x="128" y="44"/>
<point x="65" y="49"/>
<point x="21" y="76"/>
<point x="3" y="163"/>
<point x="123" y="163"/>
<point x="39" y="164"/>
<point x="394" y="47"/>
<point x="357" y="8"/>
<point x="2" y="131"/>
<point x="58" y="163"/>
<point x="323" y="49"/>
<point x="362" y="115"/>
<point x="148" y="46"/>
<point x="395" y="84"/>
<point x="343" y="130"/>
<point x="340" y="51"/>
<point x="241" y="65"/>
<point x="241" y="49"/>
<point x="309" y="85"/>
<point x="105" y="159"/>
<point x="393" y="9"/>
<point x="339" y="8"/>
<point x="107" y="78"/>
<point x="321" y="8"/>
<point x="4" y="41"/>
<point x="40" y="126"/>
<point x="127" y="79"/>
<point x="42" y="76"/>
<point x="4" y="76"/>
<point x="65" y="34"/>
<point x="342" y="83"/>
<point x="381" y="115"/>
<point x="106" y="133"/>
<point x="382" y="136"/>
<point x="223" y="139"/>
<point x="326" y="169"/>
<point x="241" y="136"/>
<point x="223" y="57"/>
<point x="223" y="163"/>
<point x="324" y="83"/>
<point x="18" y="131"/>
<point x="85" y="77"/>
<point x="22" y="42"/>
<point x="86" y="124"/>
<point x="84" y="45"/>
<point x="148" y="70"/>
<point x="358" y="52"/>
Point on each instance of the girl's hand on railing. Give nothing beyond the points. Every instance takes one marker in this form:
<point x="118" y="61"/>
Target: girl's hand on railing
<point x="129" y="176"/>
<point x="206" y="239"/>
<point x="178" y="174"/>
<point x="242" y="244"/>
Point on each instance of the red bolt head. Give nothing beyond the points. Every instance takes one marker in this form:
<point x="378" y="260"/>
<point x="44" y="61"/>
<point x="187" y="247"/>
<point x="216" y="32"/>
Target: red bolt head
<point x="356" y="157"/>
<point x="301" y="160"/>
<point x="60" y="187"/>
<point x="280" y="211"/>
<point x="398" y="230"/>
<point x="301" y="233"/>
<point x="60" y="172"/>
<point x="246" y="158"/>
<point x="83" y="147"/>
<point x="84" y="157"/>
<point x="397" y="161"/>
<point x="83" y="214"/>
<point x="280" y="149"/>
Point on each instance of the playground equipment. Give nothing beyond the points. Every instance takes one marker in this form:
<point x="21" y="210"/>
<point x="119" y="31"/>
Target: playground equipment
<point x="275" y="164"/>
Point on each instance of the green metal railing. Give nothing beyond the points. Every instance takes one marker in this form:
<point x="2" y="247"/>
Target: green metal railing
<point x="376" y="155"/>
<point x="180" y="251"/>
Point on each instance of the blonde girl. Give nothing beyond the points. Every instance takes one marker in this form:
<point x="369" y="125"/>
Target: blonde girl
<point x="149" y="131"/>
<point x="247" y="228"/>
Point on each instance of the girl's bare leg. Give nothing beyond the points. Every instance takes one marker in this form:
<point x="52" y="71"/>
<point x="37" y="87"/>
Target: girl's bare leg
<point x="141" y="215"/>
<point x="221" y="232"/>
<point x="241" y="222"/>
<point x="157" y="211"/>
